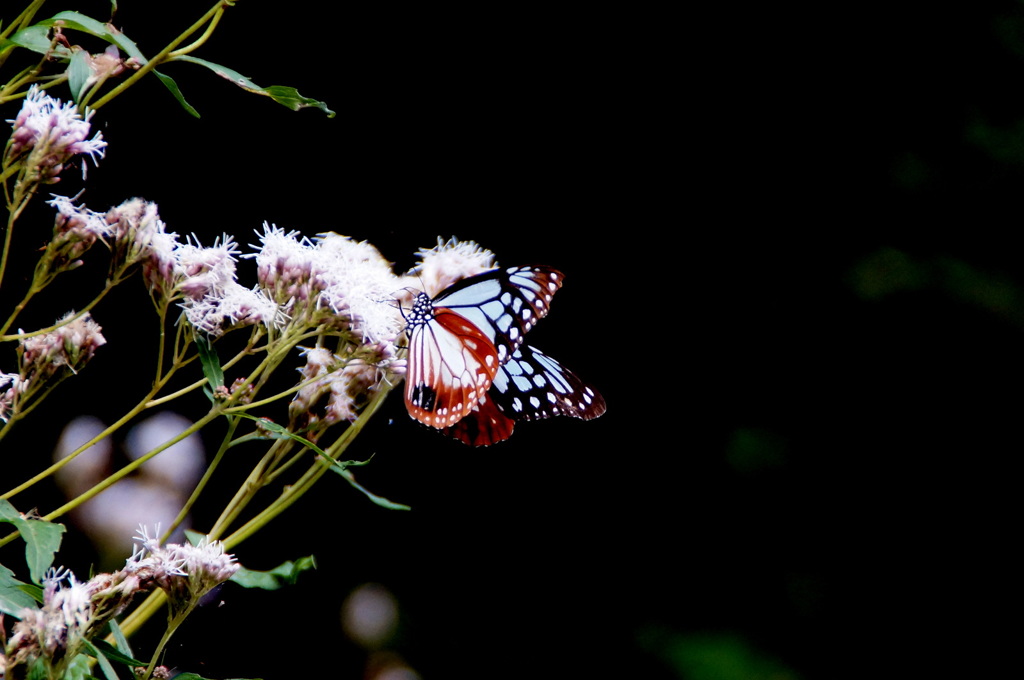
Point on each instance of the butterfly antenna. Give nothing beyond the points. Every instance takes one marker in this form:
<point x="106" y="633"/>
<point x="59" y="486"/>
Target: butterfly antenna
<point x="397" y="303"/>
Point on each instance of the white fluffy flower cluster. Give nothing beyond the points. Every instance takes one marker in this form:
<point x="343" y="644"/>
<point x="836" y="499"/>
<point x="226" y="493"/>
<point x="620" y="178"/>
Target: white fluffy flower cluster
<point x="72" y="612"/>
<point x="47" y="134"/>
<point x="331" y="279"/>
<point x="448" y="262"/>
<point x="185" y="572"/>
<point x="73" y="343"/>
<point x="57" y="628"/>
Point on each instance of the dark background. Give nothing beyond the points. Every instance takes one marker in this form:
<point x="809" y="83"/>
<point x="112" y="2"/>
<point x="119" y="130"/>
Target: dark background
<point x="789" y="239"/>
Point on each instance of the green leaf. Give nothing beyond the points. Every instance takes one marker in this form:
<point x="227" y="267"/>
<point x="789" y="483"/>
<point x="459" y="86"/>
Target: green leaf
<point x="78" y="74"/>
<point x="285" y="574"/>
<point x="210" y="361"/>
<point x="280" y="431"/>
<point x="13" y="597"/>
<point x="40" y="670"/>
<point x="42" y="539"/>
<point x="108" y="671"/>
<point x="290" y="97"/>
<point x="286" y="96"/>
<point x="338" y="466"/>
<point x="80" y="22"/>
<point x="33" y="591"/>
<point x="8" y="513"/>
<point x="77" y="21"/>
<point x="341" y="468"/>
<point x="101" y="649"/>
<point x="37" y="39"/>
<point x="78" y="669"/>
<point x="173" y="87"/>
<point x="122" y="642"/>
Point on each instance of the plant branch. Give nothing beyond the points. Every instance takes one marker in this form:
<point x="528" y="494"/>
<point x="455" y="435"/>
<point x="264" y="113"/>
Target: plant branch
<point x="163" y="54"/>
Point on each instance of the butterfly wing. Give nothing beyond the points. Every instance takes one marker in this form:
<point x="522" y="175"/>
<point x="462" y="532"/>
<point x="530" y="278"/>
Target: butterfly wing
<point x="451" y="364"/>
<point x="486" y="425"/>
<point x="503" y="303"/>
<point x="529" y="386"/>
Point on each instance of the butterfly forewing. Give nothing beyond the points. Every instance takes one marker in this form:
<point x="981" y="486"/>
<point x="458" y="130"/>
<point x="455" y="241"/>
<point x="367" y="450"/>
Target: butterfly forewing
<point x="451" y="364"/>
<point x="504" y="303"/>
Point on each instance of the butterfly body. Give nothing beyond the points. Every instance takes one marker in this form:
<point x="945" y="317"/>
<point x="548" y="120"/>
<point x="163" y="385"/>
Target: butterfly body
<point x="468" y="373"/>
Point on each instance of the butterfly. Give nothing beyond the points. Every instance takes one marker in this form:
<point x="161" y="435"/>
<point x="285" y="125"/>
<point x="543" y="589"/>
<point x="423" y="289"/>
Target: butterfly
<point x="464" y="358"/>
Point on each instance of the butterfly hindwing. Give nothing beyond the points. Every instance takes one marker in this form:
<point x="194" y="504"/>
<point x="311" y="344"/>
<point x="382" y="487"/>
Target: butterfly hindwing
<point x="486" y="425"/>
<point x="532" y="386"/>
<point x="529" y="386"/>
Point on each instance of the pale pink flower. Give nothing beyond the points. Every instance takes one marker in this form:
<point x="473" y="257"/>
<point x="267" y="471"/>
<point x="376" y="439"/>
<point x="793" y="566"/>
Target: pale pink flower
<point x="47" y="134"/>
<point x="185" y="572"/>
<point x="136" y="231"/>
<point x="57" y="629"/>
<point x="231" y="306"/>
<point x="72" y="345"/>
<point x="351" y="388"/>
<point x="361" y="287"/>
<point x="75" y="230"/>
<point x="332" y="280"/>
<point x="287" y="267"/>
<point x="203" y="271"/>
<point x="159" y="265"/>
<point x="448" y="262"/>
<point x="335" y="389"/>
<point x="105" y="64"/>
<point x="320" y="364"/>
<point x="48" y="637"/>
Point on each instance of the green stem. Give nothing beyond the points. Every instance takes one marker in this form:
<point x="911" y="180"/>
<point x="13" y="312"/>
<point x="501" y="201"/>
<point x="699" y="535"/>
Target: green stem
<point x="32" y="397"/>
<point x="49" y="329"/>
<point x="210" y="469"/>
<point x="199" y="383"/>
<point x="255" y="480"/>
<point x="295" y="491"/>
<point x="252" y="484"/>
<point x="279" y="395"/>
<point x="26" y="76"/>
<point x="109" y="481"/>
<point x="172" y="625"/>
<point x="19" y="22"/>
<point x="162" y="55"/>
<point x="141" y="406"/>
<point x="21" y="199"/>
<point x="201" y="39"/>
<point x="130" y="467"/>
<point x="152" y="604"/>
